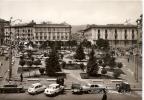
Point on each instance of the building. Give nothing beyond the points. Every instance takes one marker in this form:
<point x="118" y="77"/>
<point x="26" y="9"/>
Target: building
<point x="118" y="35"/>
<point x="37" y="33"/>
<point x="2" y="24"/>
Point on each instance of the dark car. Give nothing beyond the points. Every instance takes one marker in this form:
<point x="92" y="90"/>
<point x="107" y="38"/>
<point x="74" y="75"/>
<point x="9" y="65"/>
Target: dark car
<point x="123" y="87"/>
<point x="76" y="88"/>
<point x="11" y="88"/>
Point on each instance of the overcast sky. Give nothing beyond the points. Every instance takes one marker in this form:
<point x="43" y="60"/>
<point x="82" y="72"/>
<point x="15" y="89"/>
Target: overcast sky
<point x="72" y="11"/>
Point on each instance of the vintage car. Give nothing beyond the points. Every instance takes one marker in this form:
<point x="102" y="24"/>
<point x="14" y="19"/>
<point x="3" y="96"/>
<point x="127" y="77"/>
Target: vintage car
<point x="76" y="88"/>
<point x="93" y="88"/>
<point x="54" y="89"/>
<point x="123" y="87"/>
<point x="11" y="88"/>
<point x="36" y="88"/>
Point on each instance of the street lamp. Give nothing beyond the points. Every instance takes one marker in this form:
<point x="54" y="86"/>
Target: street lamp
<point x="10" y="54"/>
<point x="139" y="33"/>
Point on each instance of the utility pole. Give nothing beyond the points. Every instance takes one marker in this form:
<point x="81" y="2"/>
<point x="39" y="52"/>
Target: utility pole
<point x="10" y="54"/>
<point x="139" y="38"/>
<point x="10" y="51"/>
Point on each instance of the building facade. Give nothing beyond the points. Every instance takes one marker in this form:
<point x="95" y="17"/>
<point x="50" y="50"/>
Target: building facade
<point x="37" y="33"/>
<point x="118" y="35"/>
<point x="3" y="23"/>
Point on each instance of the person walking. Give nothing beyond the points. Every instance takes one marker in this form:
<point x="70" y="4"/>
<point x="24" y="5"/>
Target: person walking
<point x="104" y="95"/>
<point x="21" y="77"/>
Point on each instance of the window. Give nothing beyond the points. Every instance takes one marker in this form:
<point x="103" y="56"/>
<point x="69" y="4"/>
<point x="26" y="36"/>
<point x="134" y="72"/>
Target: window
<point x="53" y="37"/>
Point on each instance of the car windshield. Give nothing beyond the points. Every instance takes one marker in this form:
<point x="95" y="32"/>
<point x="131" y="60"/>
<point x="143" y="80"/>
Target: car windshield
<point x="51" y="87"/>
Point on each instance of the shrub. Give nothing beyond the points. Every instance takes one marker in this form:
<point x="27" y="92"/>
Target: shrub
<point x="103" y="71"/>
<point x="42" y="70"/>
<point x="120" y="65"/>
<point x="116" y="73"/>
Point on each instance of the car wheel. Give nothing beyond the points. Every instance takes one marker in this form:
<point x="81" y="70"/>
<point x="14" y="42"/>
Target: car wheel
<point x="89" y="91"/>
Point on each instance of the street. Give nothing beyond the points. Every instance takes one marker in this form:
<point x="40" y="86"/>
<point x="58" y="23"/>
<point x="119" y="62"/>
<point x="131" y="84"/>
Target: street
<point x="69" y="96"/>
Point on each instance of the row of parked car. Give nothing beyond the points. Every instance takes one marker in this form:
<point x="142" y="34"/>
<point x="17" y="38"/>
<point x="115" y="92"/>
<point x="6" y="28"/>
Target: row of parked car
<point x="54" y="89"/>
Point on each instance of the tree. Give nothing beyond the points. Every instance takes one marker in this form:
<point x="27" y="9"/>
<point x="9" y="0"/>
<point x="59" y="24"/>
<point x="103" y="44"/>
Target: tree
<point x="116" y="73"/>
<point x="112" y="63"/>
<point x="20" y="47"/>
<point x="92" y="66"/>
<point x="103" y="71"/>
<point x="102" y="44"/>
<point x="86" y="43"/>
<point x="82" y="66"/>
<point x="22" y="63"/>
<point x="29" y="63"/>
<point x="52" y="64"/>
<point x="41" y="70"/>
<point x="36" y="63"/>
<point x="80" y="55"/>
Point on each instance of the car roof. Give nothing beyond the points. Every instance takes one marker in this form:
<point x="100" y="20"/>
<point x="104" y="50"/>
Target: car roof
<point x="36" y="84"/>
<point x="53" y="85"/>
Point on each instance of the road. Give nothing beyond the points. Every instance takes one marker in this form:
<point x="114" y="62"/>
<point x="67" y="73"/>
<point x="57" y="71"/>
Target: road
<point x="69" y="96"/>
<point x="4" y="68"/>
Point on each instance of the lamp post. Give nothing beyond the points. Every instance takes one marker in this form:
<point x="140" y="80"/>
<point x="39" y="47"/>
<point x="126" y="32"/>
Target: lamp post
<point x="139" y="38"/>
<point x="10" y="54"/>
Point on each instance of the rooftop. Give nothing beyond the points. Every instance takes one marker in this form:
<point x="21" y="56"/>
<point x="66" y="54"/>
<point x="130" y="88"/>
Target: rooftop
<point x="110" y="26"/>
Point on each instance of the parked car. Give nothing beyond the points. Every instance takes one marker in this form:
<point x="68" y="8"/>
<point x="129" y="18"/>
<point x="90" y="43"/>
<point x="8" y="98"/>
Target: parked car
<point x="123" y="87"/>
<point x="76" y="88"/>
<point x="36" y="88"/>
<point x="54" y="89"/>
<point x="11" y="88"/>
<point x="93" y="88"/>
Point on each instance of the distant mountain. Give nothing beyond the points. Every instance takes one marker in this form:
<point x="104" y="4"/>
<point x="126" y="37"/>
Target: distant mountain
<point x="76" y="28"/>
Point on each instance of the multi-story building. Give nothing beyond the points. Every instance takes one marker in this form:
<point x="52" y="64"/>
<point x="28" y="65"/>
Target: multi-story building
<point x="52" y="32"/>
<point x="118" y="35"/>
<point x="2" y="24"/>
<point x="38" y="33"/>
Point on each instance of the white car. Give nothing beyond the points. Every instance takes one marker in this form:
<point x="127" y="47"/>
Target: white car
<point x="54" y="89"/>
<point x="36" y="88"/>
<point x="93" y="88"/>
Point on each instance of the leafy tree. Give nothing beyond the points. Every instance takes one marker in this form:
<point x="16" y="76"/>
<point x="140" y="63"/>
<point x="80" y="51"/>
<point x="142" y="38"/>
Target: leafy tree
<point x="103" y="71"/>
<point x="107" y="58"/>
<point x="22" y="63"/>
<point x="116" y="73"/>
<point x="63" y="64"/>
<point x="82" y="66"/>
<point x="42" y="70"/>
<point x="92" y="66"/>
<point x="102" y="44"/>
<point x="86" y="43"/>
<point x="52" y="64"/>
<point x="36" y="63"/>
<point x="112" y="63"/>
<point x="80" y="55"/>
<point x="20" y="47"/>
<point x="44" y="45"/>
<point x="29" y="63"/>
<point x="29" y="53"/>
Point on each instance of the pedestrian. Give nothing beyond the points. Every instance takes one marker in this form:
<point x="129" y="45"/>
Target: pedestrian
<point x="21" y="77"/>
<point x="128" y="59"/>
<point x="104" y="95"/>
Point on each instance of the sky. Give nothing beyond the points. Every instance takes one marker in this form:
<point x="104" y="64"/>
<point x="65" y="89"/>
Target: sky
<point x="74" y="12"/>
